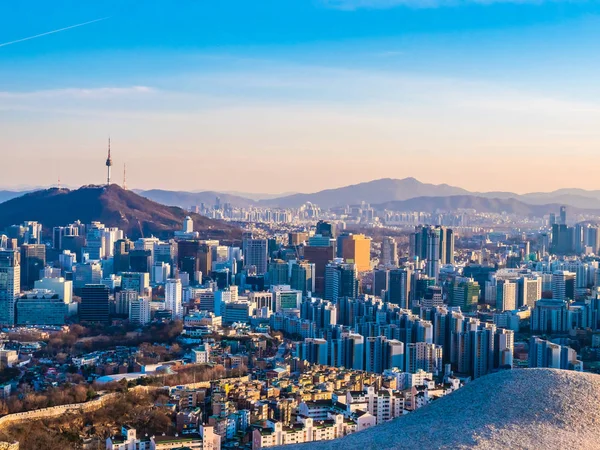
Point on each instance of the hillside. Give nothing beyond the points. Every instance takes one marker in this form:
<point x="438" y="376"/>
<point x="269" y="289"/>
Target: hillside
<point x="112" y="206"/>
<point x="524" y="409"/>
<point x="8" y="195"/>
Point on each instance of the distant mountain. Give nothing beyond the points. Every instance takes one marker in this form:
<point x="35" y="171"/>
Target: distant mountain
<point x="389" y="190"/>
<point x="377" y="191"/>
<point x="111" y="205"/>
<point x="481" y="204"/>
<point x="185" y="199"/>
<point x="7" y="195"/>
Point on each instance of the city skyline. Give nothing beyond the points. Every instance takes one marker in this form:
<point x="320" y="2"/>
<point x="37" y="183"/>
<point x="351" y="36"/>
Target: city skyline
<point x="446" y="92"/>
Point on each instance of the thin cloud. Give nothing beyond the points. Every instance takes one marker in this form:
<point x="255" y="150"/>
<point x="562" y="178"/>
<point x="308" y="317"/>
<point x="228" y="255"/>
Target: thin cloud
<point x="80" y="93"/>
<point x="52" y="32"/>
<point x="351" y="5"/>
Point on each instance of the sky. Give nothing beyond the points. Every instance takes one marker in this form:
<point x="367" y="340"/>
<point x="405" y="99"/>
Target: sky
<point x="300" y="95"/>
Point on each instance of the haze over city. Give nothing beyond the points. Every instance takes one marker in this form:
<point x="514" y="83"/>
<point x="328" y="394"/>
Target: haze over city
<point x="447" y="92"/>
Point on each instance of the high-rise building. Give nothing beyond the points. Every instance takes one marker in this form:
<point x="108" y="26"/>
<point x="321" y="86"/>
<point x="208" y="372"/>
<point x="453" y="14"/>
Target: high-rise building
<point x="320" y="256"/>
<point x="86" y="273"/>
<point x="140" y="260"/>
<point x="563" y="215"/>
<point x="94" y="303"/>
<point x="174" y="298"/>
<point x="381" y="282"/>
<point x="544" y="353"/>
<point x="10" y="285"/>
<point x="435" y="244"/>
<point x="341" y="280"/>
<point x="563" y="285"/>
<point x="504" y="344"/>
<point x="135" y="281"/>
<point x="389" y="251"/>
<point x="424" y="356"/>
<point x="562" y="239"/>
<point x="550" y="316"/>
<point x="433" y="297"/>
<point x="475" y="350"/>
<point x="303" y="277"/>
<point x="121" y="250"/>
<point x="399" y="287"/>
<point x="506" y="295"/>
<point x="33" y="260"/>
<point x="194" y="256"/>
<point x="464" y="293"/>
<point x="139" y="311"/>
<point x="325" y="229"/>
<point x="356" y="249"/>
<point x="256" y="254"/>
<point x="529" y="291"/>
<point x="278" y="272"/>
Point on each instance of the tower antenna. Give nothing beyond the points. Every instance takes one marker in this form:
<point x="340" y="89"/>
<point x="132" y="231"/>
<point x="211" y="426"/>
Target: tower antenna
<point x="108" y="164"/>
<point x="124" y="176"/>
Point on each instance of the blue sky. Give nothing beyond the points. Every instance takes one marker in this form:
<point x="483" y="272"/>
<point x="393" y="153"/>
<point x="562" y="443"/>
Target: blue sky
<point x="271" y="95"/>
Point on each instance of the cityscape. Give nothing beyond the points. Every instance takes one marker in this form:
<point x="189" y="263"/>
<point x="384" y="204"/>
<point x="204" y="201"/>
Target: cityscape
<point x="313" y="224"/>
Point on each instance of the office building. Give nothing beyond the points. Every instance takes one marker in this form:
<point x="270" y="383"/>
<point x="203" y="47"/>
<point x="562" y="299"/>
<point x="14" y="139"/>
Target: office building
<point x="356" y="249"/>
<point x="303" y="277"/>
<point x="194" y="258"/>
<point x="432" y="298"/>
<point x="86" y="273"/>
<point x="434" y="244"/>
<point x="325" y="229"/>
<point x="94" y="303"/>
<point x="63" y="288"/>
<point x="286" y="298"/>
<point x="320" y="256"/>
<point x="464" y="294"/>
<point x="256" y="254"/>
<point x="381" y="282"/>
<point x="550" y="316"/>
<point x="278" y="272"/>
<point x="399" y="287"/>
<point x="33" y="260"/>
<point x="41" y="307"/>
<point x="10" y="285"/>
<point x="341" y="280"/>
<point x="135" y="281"/>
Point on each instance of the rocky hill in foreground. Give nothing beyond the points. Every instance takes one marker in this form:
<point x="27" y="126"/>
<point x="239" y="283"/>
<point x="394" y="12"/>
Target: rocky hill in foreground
<point x="514" y="409"/>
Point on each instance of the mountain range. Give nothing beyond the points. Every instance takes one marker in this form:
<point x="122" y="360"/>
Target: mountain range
<point x="392" y="192"/>
<point x="113" y="206"/>
<point x="407" y="194"/>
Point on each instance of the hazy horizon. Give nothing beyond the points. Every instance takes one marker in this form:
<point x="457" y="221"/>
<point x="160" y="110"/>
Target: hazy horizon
<point x="303" y="95"/>
<point x="265" y="195"/>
